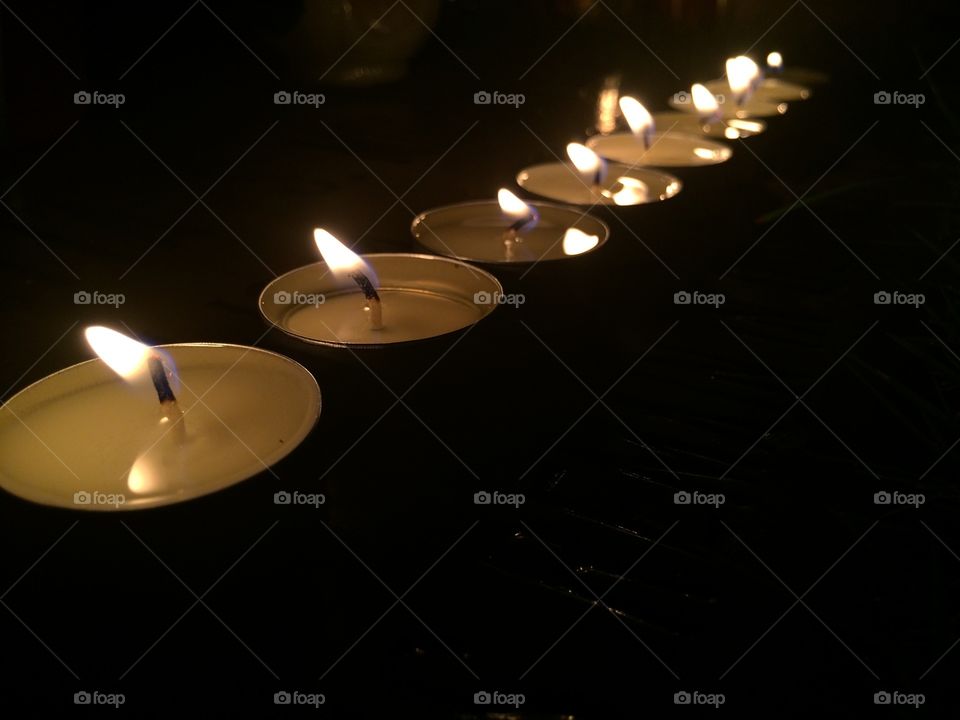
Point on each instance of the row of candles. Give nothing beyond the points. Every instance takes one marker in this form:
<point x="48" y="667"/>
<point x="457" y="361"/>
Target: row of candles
<point x="144" y="426"/>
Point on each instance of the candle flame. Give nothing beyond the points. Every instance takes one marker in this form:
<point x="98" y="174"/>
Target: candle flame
<point x="742" y="72"/>
<point x="703" y="100"/>
<point x="125" y="356"/>
<point x="638" y="117"/>
<point x="577" y="242"/>
<point x="583" y="158"/>
<point x="341" y="260"/>
<point x="775" y="60"/>
<point x="511" y="204"/>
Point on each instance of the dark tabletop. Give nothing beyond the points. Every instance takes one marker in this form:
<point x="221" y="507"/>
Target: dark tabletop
<point x="598" y="399"/>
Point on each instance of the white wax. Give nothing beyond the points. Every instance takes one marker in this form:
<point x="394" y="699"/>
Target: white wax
<point x="407" y="315"/>
<point x="86" y="439"/>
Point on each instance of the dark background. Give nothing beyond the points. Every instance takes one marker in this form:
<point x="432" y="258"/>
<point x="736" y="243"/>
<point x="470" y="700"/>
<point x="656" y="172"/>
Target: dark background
<point x="704" y="599"/>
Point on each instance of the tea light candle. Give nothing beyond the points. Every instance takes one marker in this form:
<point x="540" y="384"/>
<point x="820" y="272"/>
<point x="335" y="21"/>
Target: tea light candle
<point x="742" y="71"/>
<point x="589" y="180"/>
<point x="149" y="426"/>
<point x="721" y="103"/>
<point x="488" y="232"/>
<point x="416" y="297"/>
<point x="644" y="146"/>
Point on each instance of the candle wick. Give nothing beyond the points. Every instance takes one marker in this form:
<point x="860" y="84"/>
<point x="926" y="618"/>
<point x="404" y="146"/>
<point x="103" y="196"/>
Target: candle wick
<point x="372" y="300"/>
<point x="158" y="373"/>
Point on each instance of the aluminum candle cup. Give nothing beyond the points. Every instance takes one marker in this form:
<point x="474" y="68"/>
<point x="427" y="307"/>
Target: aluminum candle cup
<point x="672" y="148"/>
<point x="422" y="296"/>
<point x="624" y="185"/>
<point x="87" y="439"/>
<point x="770" y="89"/>
<point x="476" y="231"/>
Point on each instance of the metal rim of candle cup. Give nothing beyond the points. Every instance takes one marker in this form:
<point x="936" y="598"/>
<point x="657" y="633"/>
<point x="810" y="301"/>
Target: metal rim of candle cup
<point x="597" y="142"/>
<point x="614" y="169"/>
<point x="289" y="445"/>
<point x="419" y="219"/>
<point x="495" y="288"/>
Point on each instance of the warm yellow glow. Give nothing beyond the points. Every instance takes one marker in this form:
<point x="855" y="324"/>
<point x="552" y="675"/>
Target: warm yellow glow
<point x="607" y="110"/>
<point x="703" y="100"/>
<point x="511" y="204"/>
<point x="775" y="60"/>
<point x="140" y="479"/>
<point x="706" y="153"/>
<point x="583" y="158"/>
<point x="577" y="242"/>
<point x="741" y="74"/>
<point x="633" y="191"/>
<point x="638" y="117"/>
<point x="124" y="355"/>
<point x="745" y="125"/>
<point x="731" y="133"/>
<point x="338" y="257"/>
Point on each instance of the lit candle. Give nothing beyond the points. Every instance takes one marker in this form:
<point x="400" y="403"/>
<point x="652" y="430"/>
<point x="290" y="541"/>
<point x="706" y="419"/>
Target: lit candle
<point x="586" y="180"/>
<point x="143" y="426"/>
<point x="681" y="144"/>
<point x="522" y="214"/>
<point x="475" y="230"/>
<point x="421" y="296"/>
<point x="730" y="99"/>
